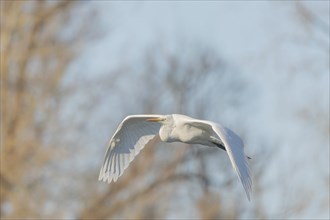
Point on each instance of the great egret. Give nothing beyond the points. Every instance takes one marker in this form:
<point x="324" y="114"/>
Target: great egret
<point x="135" y="131"/>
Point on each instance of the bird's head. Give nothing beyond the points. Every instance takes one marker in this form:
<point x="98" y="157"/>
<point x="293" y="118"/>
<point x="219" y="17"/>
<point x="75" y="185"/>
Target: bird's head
<point x="162" y="119"/>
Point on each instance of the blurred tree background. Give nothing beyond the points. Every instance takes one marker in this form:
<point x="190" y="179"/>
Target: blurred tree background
<point x="61" y="100"/>
<point x="39" y="40"/>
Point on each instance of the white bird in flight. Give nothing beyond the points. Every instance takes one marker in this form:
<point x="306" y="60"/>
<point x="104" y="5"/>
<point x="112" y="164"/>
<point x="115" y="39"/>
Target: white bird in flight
<point x="135" y="131"/>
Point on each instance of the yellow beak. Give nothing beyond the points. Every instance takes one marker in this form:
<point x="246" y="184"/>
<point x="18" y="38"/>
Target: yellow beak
<point x="155" y="119"/>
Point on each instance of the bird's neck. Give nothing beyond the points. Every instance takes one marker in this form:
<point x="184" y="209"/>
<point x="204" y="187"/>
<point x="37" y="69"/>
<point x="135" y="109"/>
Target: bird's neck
<point x="166" y="134"/>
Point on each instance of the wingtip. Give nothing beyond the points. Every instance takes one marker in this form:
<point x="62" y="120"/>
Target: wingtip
<point x="104" y="177"/>
<point x="248" y="196"/>
<point x="101" y="174"/>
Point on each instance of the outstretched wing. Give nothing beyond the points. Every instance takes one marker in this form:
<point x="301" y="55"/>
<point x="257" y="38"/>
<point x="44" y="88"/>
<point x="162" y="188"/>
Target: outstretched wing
<point x="133" y="133"/>
<point x="235" y="149"/>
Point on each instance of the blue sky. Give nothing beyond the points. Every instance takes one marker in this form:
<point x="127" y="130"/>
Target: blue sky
<point x="284" y="62"/>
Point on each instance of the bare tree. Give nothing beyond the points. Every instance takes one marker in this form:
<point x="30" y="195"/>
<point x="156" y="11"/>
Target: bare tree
<point x="39" y="39"/>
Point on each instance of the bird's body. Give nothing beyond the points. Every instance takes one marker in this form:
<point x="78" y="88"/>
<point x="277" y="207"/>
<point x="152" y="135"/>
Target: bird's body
<point x="186" y="130"/>
<point x="137" y="130"/>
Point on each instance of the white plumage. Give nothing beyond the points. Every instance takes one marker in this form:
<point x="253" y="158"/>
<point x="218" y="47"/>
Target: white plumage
<point x="135" y="131"/>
